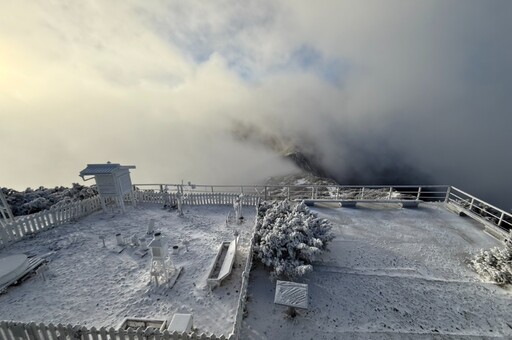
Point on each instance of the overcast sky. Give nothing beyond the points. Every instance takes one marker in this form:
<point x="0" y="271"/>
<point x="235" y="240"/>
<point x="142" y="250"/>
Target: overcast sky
<point x="420" y="87"/>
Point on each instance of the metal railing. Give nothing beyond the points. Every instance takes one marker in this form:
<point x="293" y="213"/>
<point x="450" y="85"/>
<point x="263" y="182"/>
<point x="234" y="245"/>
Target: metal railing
<point x="476" y="208"/>
<point x="483" y="210"/>
<point x="297" y="192"/>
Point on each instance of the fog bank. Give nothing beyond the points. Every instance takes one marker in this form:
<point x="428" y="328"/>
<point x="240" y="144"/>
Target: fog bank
<point x="379" y="92"/>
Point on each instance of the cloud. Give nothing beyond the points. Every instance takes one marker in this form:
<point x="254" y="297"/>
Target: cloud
<point x="380" y="91"/>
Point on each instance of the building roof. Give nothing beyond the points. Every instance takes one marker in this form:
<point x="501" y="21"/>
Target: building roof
<point x="103" y="169"/>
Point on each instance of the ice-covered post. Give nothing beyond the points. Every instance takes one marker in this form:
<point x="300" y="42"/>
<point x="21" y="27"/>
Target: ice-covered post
<point x="179" y="198"/>
<point x="237" y="205"/>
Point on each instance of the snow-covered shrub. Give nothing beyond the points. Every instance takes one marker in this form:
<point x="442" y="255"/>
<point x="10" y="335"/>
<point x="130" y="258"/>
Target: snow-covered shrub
<point x="288" y="238"/>
<point x="495" y="264"/>
<point x="31" y="201"/>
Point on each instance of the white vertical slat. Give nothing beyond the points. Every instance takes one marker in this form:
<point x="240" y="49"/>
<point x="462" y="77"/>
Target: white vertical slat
<point x="102" y="334"/>
<point x="121" y="334"/>
<point x="131" y="333"/>
<point x="94" y="333"/>
<point x="52" y="332"/>
<point x="4" y="331"/>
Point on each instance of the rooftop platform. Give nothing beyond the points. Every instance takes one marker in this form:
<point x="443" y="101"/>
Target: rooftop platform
<point x="389" y="273"/>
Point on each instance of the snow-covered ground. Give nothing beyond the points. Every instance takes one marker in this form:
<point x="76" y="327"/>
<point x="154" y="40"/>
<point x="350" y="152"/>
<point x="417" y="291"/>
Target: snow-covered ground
<point x="93" y="286"/>
<point x="390" y="273"/>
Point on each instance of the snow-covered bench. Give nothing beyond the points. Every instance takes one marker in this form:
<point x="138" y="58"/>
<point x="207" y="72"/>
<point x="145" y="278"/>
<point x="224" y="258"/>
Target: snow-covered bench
<point x="406" y="203"/>
<point x="223" y="263"/>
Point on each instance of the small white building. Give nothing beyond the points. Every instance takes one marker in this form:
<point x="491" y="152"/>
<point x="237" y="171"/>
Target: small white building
<point x="112" y="180"/>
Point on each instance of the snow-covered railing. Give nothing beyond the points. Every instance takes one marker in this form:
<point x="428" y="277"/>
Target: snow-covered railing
<point x="17" y="330"/>
<point x="30" y="224"/>
<point x="480" y="210"/>
<point x="193" y="198"/>
<point x="297" y="192"/>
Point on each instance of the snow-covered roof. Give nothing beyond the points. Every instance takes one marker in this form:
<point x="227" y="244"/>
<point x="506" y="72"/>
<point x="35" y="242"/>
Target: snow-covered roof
<point x="103" y="169"/>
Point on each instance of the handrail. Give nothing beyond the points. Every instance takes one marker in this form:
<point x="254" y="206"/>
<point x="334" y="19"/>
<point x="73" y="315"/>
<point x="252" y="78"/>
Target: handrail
<point x="305" y="191"/>
<point x="483" y="210"/>
<point x="440" y="193"/>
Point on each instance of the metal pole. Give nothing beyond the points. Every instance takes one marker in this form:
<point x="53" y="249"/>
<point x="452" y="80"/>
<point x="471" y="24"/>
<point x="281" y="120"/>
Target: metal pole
<point x="448" y="191"/>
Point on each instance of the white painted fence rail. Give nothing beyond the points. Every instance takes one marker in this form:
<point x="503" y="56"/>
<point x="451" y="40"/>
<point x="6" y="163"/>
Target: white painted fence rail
<point x="22" y="226"/>
<point x="31" y="331"/>
<point x="193" y="198"/>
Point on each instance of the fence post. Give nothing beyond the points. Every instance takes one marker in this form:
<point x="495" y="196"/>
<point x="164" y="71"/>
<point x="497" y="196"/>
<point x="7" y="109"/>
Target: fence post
<point x="419" y="193"/>
<point x="471" y="203"/>
<point x="448" y="191"/>
<point x="390" y="192"/>
<point x="501" y="219"/>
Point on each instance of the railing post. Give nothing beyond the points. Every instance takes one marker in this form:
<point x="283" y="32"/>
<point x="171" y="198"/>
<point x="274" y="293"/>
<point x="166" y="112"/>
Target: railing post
<point x="362" y="193"/>
<point x="501" y="219"/>
<point x="390" y="192"/>
<point x="337" y="192"/>
<point x="471" y="203"/>
<point x="212" y="188"/>
<point x="312" y="193"/>
<point x="419" y="193"/>
<point x="447" y="197"/>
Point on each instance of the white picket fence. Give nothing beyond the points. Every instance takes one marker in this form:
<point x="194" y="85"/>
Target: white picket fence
<point x="31" y="331"/>
<point x="30" y="224"/>
<point x="194" y="198"/>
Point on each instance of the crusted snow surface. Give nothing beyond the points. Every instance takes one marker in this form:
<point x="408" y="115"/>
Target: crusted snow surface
<point x="90" y="285"/>
<point x="390" y="273"/>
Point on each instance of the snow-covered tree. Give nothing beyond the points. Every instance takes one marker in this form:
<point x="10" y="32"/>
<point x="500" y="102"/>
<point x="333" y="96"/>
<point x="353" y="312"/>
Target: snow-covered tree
<point x="495" y="264"/>
<point x="289" y="237"/>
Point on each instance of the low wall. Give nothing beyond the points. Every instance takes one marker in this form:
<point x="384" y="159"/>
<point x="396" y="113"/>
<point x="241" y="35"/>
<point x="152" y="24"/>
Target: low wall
<point x="242" y="299"/>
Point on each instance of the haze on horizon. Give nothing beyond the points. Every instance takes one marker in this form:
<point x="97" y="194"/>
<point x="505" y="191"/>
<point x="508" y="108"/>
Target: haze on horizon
<point x="370" y="87"/>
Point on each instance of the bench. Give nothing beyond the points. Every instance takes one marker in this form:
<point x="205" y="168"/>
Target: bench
<point x="406" y="203"/>
<point x="223" y="263"/>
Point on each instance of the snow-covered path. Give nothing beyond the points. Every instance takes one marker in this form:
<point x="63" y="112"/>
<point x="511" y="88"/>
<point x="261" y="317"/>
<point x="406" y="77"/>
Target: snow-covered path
<point x="390" y="273"/>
